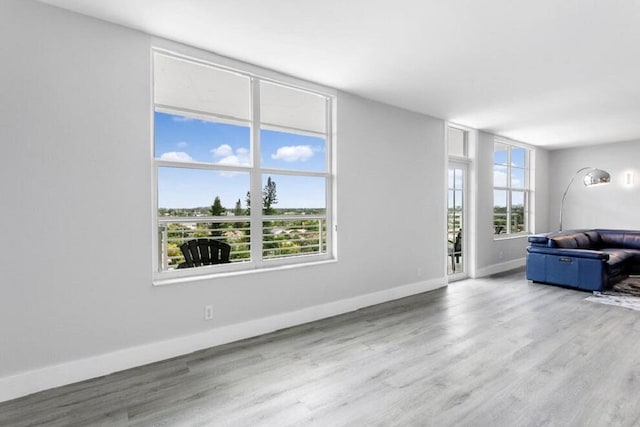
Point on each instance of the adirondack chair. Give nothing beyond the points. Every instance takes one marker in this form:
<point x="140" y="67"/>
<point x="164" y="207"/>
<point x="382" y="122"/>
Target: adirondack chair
<point x="200" y="252"/>
<point x="455" y="251"/>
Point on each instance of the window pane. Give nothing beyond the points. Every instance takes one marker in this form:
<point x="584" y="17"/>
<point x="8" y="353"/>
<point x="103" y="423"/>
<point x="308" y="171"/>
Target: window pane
<point x="187" y="139"/>
<point x="500" y="211"/>
<point x="456" y="142"/>
<point x="172" y="234"/>
<point x="193" y="195"/>
<point x="500" y="153"/>
<point x="517" y="178"/>
<point x="294" y="237"/>
<point x="458" y="200"/>
<point x="517" y="221"/>
<point x="450" y="179"/>
<point x="303" y="199"/>
<point x="517" y="200"/>
<point x="459" y="177"/>
<point x="284" y="150"/>
<point x="499" y="176"/>
<point x="192" y="192"/>
<point x="293" y="195"/>
<point x="518" y="157"/>
<point x="517" y="211"/>
<point x="455" y="224"/>
<point x="188" y="85"/>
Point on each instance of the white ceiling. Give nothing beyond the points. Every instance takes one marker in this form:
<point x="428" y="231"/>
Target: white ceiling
<point x="553" y="73"/>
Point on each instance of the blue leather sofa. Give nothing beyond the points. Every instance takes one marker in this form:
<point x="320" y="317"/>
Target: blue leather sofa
<point x="591" y="260"/>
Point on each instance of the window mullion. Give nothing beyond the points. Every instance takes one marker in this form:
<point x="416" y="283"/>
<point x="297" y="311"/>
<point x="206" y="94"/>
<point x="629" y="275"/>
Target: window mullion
<point x="509" y="225"/>
<point x="329" y="190"/>
<point x="256" y="175"/>
<point x="509" y="195"/>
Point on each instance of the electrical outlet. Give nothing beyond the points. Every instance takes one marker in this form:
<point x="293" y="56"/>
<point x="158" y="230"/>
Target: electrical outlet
<point x="208" y="312"/>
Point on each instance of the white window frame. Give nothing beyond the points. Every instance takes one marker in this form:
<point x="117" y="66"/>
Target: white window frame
<point x="256" y="172"/>
<point x="465" y="143"/>
<point x="527" y="190"/>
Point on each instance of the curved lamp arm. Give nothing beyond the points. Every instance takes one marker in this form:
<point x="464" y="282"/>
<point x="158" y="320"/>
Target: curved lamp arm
<point x="604" y="178"/>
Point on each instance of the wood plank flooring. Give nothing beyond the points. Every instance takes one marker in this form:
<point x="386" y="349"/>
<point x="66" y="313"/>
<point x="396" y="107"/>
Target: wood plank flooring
<point x="488" y="352"/>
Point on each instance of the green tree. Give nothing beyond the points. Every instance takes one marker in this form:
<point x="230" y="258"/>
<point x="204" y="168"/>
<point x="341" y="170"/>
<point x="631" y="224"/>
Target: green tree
<point x="216" y="210"/>
<point x="237" y="211"/>
<point x="269" y="197"/>
<point x="248" y="202"/>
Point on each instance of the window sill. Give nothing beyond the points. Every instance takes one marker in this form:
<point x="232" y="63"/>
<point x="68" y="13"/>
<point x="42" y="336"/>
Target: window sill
<point x="164" y="281"/>
<point x="511" y="236"/>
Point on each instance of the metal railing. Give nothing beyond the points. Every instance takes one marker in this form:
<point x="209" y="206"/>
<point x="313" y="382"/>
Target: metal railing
<point x="282" y="236"/>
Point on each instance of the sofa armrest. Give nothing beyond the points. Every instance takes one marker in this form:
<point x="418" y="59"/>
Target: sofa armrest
<point x="575" y="253"/>
<point x="539" y="239"/>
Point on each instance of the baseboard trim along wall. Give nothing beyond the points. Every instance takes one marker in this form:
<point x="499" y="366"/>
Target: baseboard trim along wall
<point x="33" y="381"/>
<point x="499" y="268"/>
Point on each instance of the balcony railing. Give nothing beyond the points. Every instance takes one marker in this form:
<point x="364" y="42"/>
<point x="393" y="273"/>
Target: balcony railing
<point x="282" y="236"/>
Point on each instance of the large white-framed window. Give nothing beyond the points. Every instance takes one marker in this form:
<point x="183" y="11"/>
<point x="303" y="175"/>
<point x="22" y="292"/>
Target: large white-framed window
<point x="511" y="188"/>
<point x="241" y="159"/>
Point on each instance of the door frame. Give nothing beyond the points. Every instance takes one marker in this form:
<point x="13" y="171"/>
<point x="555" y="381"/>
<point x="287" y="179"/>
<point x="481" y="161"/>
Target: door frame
<point x="463" y="164"/>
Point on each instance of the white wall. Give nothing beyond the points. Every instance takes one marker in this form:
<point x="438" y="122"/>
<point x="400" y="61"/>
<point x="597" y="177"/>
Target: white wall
<point x="76" y="298"/>
<point x="611" y="206"/>
<point x="495" y="255"/>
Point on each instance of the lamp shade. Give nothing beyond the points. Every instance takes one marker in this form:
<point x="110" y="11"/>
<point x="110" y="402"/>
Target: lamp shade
<point x="596" y="177"/>
<point x="593" y="177"/>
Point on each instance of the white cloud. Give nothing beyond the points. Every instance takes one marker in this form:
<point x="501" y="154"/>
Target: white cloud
<point x="176" y="156"/>
<point x="226" y="156"/>
<point x="224" y="150"/>
<point x="499" y="179"/>
<point x="293" y="153"/>
<point x="234" y="160"/>
<point x="182" y="144"/>
<point x="182" y="119"/>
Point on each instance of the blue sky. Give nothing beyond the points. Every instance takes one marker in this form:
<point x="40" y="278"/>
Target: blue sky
<point x="186" y="139"/>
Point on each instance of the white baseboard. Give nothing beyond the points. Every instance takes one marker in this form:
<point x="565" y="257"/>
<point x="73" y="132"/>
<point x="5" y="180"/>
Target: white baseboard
<point x="499" y="268"/>
<point x="29" y="382"/>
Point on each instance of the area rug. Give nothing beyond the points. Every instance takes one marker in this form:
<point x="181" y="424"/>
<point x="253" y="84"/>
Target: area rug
<point x="625" y="294"/>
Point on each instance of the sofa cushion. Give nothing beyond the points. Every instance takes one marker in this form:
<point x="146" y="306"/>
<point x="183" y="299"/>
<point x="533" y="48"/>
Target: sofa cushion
<point x="576" y="239"/>
<point x="582" y="241"/>
<point x="618" y="256"/>
<point x="619" y="260"/>
<point x="620" y="238"/>
<point x="632" y="240"/>
<point x="612" y="238"/>
<point x="594" y="239"/>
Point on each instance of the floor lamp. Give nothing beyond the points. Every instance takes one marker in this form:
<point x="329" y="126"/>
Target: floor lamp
<point x="593" y="177"/>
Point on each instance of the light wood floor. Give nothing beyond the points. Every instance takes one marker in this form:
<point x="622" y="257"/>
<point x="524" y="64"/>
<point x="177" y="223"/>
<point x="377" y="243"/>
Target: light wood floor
<point x="488" y="352"/>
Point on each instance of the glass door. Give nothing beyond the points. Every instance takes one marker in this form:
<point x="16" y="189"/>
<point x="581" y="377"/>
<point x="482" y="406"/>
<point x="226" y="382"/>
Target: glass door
<point x="456" y="217"/>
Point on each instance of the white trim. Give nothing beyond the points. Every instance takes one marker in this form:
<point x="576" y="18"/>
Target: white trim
<point x="497" y="237"/>
<point x="29" y="382"/>
<point x="499" y="268"/>
<point x="509" y="141"/>
<point x="464" y="166"/>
